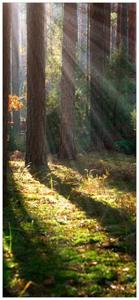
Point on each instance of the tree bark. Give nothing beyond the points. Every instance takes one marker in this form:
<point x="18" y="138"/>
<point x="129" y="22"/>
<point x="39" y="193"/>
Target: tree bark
<point x="6" y="84"/>
<point x="88" y="53"/>
<point x="107" y="24"/>
<point x="67" y="144"/>
<point x="99" y="55"/>
<point x="113" y="28"/>
<point x="122" y="28"/>
<point x="119" y="13"/>
<point x="97" y="69"/>
<point x="36" y="148"/>
<point x="132" y="32"/>
<point x="15" y="64"/>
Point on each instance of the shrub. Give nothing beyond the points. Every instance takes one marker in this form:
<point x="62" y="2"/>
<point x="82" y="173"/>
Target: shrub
<point x="125" y="146"/>
<point x="53" y="131"/>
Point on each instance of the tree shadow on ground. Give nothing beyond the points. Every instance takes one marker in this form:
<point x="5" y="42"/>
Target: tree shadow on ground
<point x="116" y="221"/>
<point x="38" y="260"/>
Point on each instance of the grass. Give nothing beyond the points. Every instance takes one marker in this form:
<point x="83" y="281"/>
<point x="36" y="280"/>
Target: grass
<point x="71" y="231"/>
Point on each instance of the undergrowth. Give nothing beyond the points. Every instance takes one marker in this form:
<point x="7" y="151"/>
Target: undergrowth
<point x="70" y="231"/>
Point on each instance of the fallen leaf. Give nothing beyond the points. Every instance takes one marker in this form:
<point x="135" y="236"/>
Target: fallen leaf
<point x="126" y="269"/>
<point x="113" y="286"/>
<point x="93" y="263"/>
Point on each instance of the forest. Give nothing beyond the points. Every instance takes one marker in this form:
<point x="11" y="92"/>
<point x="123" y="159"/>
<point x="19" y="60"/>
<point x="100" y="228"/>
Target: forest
<point x="69" y="149"/>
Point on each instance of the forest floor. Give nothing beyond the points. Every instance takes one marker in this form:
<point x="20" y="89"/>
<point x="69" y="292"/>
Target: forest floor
<point x="70" y="231"/>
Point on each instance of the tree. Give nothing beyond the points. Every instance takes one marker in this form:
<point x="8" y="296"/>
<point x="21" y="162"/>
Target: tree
<point x="15" y="63"/>
<point x="119" y="9"/>
<point x="132" y="32"/>
<point x="36" y="148"/>
<point x="82" y="34"/>
<point x="122" y="27"/>
<point x="6" y="82"/>
<point x="67" y="143"/>
<point x="99" y="54"/>
<point x="107" y="26"/>
<point x="113" y="41"/>
<point x="120" y="67"/>
<point x="88" y="51"/>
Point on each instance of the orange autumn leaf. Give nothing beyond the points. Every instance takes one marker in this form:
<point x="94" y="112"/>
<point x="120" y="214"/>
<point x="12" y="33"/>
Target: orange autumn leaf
<point x="14" y="103"/>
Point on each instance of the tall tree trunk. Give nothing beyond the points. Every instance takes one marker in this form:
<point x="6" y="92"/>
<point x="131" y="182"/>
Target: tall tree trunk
<point x="119" y="14"/>
<point x="122" y="27"/>
<point x="122" y="44"/>
<point x="6" y="83"/>
<point x="99" y="54"/>
<point x="88" y="53"/>
<point x="67" y="144"/>
<point x="107" y="24"/>
<point x="113" y="28"/>
<point x="80" y="23"/>
<point x="132" y="32"/>
<point x="82" y="32"/>
<point x="36" y="149"/>
<point x="15" y="63"/>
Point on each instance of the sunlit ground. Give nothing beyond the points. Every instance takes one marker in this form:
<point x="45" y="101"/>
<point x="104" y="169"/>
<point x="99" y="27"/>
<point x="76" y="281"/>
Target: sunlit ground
<point x="71" y="232"/>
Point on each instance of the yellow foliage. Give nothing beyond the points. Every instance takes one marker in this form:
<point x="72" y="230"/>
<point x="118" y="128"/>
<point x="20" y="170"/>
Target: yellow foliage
<point x="14" y="103"/>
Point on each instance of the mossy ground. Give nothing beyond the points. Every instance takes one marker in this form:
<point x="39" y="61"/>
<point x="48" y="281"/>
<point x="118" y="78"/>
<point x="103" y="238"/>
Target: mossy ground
<point x="70" y="231"/>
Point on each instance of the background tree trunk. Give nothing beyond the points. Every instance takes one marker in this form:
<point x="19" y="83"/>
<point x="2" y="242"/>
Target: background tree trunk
<point x="6" y="83"/>
<point x="122" y="27"/>
<point x="99" y="52"/>
<point x="119" y="16"/>
<point x="36" y="150"/>
<point x="132" y="32"/>
<point x="88" y="53"/>
<point x="67" y="144"/>
<point x="113" y="28"/>
<point x="107" y="26"/>
<point x="15" y="63"/>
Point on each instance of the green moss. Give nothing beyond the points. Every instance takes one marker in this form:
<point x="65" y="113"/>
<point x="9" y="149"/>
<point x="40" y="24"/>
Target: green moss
<point x="69" y="246"/>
